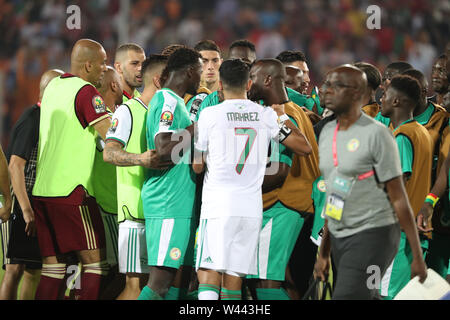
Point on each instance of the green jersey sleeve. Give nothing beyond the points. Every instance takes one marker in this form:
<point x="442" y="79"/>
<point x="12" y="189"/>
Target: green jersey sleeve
<point x="406" y="152"/>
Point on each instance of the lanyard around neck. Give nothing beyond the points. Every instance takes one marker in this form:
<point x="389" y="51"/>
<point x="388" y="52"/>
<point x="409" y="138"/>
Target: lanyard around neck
<point x="335" y="160"/>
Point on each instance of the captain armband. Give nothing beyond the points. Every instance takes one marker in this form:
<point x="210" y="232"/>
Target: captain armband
<point x="285" y="131"/>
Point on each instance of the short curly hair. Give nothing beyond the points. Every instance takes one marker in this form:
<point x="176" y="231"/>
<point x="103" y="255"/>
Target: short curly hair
<point x="243" y="43"/>
<point x="407" y="85"/>
<point x="291" y="56"/>
<point x="372" y="73"/>
<point x="181" y="58"/>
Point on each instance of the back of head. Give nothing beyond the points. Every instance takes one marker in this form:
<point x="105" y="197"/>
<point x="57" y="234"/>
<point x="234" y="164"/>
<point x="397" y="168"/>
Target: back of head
<point x="111" y="75"/>
<point x="122" y="50"/>
<point x="167" y="51"/>
<point x="419" y="76"/>
<point x="243" y="43"/>
<point x="84" y="50"/>
<point x="46" y="78"/>
<point x="153" y="63"/>
<point x="180" y="59"/>
<point x="399" y="66"/>
<point x="408" y="86"/>
<point x="272" y="67"/>
<point x="290" y="56"/>
<point x="372" y="73"/>
<point x="207" y="45"/>
<point x="234" y="74"/>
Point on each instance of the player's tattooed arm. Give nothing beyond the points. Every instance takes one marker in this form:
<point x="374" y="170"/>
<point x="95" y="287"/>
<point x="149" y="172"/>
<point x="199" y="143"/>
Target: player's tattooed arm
<point x="114" y="154"/>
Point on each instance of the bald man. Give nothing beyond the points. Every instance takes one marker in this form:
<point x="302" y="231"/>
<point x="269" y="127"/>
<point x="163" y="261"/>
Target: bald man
<point x="363" y="220"/>
<point x="104" y="179"/>
<point x="23" y="250"/>
<point x="286" y="192"/>
<point x="128" y="63"/>
<point x="67" y="216"/>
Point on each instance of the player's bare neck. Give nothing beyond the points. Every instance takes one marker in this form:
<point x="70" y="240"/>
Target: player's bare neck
<point x="400" y="115"/>
<point x="421" y="107"/>
<point x="229" y="95"/>
<point x="176" y="83"/>
<point x="126" y="87"/>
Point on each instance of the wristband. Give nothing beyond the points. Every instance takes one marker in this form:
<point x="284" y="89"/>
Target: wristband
<point x="432" y="199"/>
<point x="283" y="117"/>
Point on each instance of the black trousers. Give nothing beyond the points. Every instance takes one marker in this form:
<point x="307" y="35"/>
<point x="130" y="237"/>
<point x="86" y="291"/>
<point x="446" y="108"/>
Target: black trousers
<point x="361" y="261"/>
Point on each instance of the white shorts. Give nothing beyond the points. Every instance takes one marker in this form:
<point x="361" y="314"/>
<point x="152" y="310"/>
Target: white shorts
<point x="228" y="244"/>
<point x="132" y="247"/>
<point x="111" y="234"/>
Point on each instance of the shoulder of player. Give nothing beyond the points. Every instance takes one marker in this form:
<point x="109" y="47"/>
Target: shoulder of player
<point x="414" y="131"/>
<point x="439" y="111"/>
<point x="89" y="93"/>
<point x="165" y="99"/>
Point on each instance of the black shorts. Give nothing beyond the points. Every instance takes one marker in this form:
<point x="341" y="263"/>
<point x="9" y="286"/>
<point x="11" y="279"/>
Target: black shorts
<point x="18" y="248"/>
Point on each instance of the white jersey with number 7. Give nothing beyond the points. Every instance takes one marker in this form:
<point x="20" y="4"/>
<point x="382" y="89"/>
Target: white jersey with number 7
<point x="235" y="135"/>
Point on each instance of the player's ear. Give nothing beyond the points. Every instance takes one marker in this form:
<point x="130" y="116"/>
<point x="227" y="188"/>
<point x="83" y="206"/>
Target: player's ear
<point x="157" y="82"/>
<point x="220" y="86"/>
<point x="114" y="86"/>
<point x="117" y="67"/>
<point x="267" y="80"/>
<point x="249" y="85"/>
<point x="88" y="66"/>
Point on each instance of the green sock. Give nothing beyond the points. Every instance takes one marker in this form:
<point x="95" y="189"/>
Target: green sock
<point x="176" y="294"/>
<point x="271" y="294"/>
<point x="193" y="295"/>
<point x="149" y="294"/>
<point x="226" y="294"/>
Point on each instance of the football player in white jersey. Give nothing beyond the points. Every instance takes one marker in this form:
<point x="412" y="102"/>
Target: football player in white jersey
<point x="232" y="142"/>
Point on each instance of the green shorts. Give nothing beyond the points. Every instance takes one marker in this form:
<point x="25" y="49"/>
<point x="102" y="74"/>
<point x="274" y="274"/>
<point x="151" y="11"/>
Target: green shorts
<point x="398" y="274"/>
<point x="280" y="229"/>
<point x="170" y="242"/>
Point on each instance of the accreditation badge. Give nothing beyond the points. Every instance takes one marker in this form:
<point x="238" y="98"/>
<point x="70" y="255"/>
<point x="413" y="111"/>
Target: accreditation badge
<point x="340" y="189"/>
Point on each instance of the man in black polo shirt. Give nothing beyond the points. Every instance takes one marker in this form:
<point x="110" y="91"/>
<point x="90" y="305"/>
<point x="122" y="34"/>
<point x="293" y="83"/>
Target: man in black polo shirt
<point x="20" y="245"/>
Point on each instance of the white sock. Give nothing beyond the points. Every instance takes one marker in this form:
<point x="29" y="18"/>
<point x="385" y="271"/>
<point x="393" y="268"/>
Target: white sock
<point x="208" y="295"/>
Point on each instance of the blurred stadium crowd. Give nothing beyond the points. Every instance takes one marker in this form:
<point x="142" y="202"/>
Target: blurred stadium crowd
<point x="34" y="36"/>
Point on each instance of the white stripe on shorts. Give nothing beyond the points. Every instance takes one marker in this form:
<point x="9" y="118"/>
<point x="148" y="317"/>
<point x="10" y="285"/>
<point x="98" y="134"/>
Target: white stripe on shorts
<point x="164" y="240"/>
<point x="386" y="280"/>
<point x="263" y="250"/>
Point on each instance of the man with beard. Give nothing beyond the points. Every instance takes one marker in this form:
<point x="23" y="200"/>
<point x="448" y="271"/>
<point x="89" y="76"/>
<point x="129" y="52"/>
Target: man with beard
<point x="287" y="193"/>
<point x="439" y="81"/>
<point x="128" y="63"/>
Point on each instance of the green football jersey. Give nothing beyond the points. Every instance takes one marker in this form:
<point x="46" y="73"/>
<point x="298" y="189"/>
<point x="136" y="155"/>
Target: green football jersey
<point x="168" y="193"/>
<point x="422" y="118"/>
<point x="211" y="100"/>
<point x="384" y="120"/>
<point x="304" y="101"/>
<point x="318" y="195"/>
